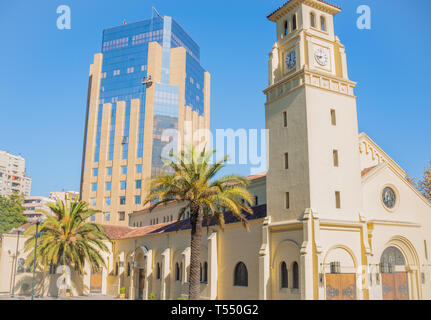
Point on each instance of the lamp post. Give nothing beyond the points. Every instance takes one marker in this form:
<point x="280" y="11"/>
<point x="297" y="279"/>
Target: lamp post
<point x="19" y="230"/>
<point x="38" y="222"/>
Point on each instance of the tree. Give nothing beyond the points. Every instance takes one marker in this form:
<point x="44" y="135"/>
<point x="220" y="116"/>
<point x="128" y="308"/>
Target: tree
<point x="11" y="212"/>
<point x="424" y="185"/>
<point x="67" y="238"/>
<point x="189" y="180"/>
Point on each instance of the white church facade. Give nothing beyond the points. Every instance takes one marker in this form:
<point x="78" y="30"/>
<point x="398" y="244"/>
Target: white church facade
<point x="335" y="218"/>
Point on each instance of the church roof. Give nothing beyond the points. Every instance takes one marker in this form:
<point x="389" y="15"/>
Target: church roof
<point x="117" y="233"/>
<point x="256" y="176"/>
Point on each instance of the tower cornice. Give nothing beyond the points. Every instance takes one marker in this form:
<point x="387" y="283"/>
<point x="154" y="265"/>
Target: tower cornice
<point x="317" y="4"/>
<point x="307" y="77"/>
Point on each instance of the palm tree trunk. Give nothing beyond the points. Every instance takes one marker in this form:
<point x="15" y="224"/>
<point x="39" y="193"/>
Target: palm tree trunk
<point x="195" y="255"/>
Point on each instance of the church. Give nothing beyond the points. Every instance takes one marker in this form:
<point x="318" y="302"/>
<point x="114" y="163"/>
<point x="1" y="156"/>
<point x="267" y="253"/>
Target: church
<point x="335" y="217"/>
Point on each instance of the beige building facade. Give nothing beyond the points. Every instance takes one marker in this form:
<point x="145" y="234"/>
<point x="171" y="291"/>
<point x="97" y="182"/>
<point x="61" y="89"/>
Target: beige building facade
<point x="33" y="204"/>
<point x="335" y="218"/>
<point x="13" y="177"/>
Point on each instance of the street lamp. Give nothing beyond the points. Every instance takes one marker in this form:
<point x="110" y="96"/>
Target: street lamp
<point x="18" y="230"/>
<point x="38" y="222"/>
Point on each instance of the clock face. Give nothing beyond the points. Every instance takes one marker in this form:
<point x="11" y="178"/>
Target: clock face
<point x="321" y="56"/>
<point x="389" y="198"/>
<point x="291" y="59"/>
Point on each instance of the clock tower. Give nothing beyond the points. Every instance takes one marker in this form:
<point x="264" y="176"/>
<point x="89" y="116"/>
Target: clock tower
<point x="313" y="161"/>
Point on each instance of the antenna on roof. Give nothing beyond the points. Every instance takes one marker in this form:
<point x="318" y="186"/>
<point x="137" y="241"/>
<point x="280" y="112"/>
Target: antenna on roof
<point x="157" y="12"/>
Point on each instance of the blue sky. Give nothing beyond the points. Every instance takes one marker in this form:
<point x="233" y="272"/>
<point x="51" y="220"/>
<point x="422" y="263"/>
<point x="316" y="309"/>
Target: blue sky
<point x="44" y="73"/>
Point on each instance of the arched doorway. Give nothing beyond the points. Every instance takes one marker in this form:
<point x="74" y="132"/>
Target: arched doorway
<point x="140" y="272"/>
<point x="394" y="277"/>
<point x="339" y="268"/>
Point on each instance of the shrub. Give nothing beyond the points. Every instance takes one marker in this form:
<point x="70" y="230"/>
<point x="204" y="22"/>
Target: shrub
<point x="152" y="296"/>
<point x="122" y="290"/>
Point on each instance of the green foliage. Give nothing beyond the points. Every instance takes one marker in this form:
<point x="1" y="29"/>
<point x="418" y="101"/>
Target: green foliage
<point x="424" y="185"/>
<point x="122" y="290"/>
<point x="67" y="238"/>
<point x="152" y="296"/>
<point x="181" y="298"/>
<point x="11" y="212"/>
<point x="192" y="183"/>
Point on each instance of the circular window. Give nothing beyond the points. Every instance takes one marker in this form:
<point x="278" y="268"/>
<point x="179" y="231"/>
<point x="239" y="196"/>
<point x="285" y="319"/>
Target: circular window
<point x="389" y="197"/>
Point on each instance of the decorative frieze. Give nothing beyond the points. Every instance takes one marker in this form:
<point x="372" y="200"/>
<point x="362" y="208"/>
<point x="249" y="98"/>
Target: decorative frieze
<point x="305" y="77"/>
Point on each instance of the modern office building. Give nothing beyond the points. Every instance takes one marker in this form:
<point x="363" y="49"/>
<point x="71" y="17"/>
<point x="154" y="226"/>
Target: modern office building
<point x="146" y="91"/>
<point x="13" y="178"/>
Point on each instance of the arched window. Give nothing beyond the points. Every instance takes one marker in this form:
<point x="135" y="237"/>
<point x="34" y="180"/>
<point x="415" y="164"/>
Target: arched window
<point x="200" y="277"/>
<point x="158" y="271"/>
<point x="205" y="272"/>
<point x="283" y="275"/>
<point x="313" y="20"/>
<point x="294" y="22"/>
<point x="286" y="28"/>
<point x="128" y="269"/>
<point x="241" y="275"/>
<point x="177" y="272"/>
<point x="295" y="275"/>
<point x="322" y="23"/>
<point x="391" y="257"/>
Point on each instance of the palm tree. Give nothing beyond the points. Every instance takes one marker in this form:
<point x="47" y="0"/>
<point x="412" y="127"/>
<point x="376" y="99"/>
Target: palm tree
<point x="189" y="179"/>
<point x="67" y="238"/>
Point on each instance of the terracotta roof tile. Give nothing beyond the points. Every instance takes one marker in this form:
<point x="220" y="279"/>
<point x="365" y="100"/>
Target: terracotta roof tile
<point x="256" y="176"/>
<point x="259" y="212"/>
<point x="116" y="232"/>
<point x="25" y="226"/>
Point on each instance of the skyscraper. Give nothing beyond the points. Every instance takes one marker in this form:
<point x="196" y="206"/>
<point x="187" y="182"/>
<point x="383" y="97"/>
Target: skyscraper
<point x="146" y="91"/>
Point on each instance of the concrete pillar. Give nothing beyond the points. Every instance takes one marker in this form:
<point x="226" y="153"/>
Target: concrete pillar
<point x="148" y="271"/>
<point x="186" y="263"/>
<point x="306" y="274"/>
<point x="264" y="262"/>
<point x="343" y="62"/>
<point x="166" y="264"/>
<point x="132" y="282"/>
<point x="363" y="267"/>
<point x="310" y="50"/>
<point x="319" y="259"/>
<point x="87" y="279"/>
<point x="212" y="266"/>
